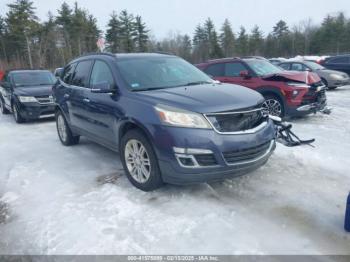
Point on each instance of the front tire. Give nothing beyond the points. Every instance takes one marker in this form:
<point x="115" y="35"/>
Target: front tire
<point x="274" y="105"/>
<point x="139" y="161"/>
<point x="16" y="114"/>
<point x="3" y="109"/>
<point x="64" y="132"/>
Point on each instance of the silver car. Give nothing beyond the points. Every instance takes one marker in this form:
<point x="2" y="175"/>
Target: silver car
<point x="331" y="78"/>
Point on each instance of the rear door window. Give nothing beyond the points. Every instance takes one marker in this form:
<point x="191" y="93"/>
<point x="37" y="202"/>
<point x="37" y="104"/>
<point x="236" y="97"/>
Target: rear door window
<point x="215" y="70"/>
<point x="297" y="67"/>
<point x="82" y="73"/>
<point x="285" y="66"/>
<point x="234" y="69"/>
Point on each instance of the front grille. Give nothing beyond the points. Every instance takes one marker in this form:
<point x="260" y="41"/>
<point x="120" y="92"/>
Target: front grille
<point x="249" y="154"/>
<point x="44" y="99"/>
<point x="226" y="122"/>
<point x="206" y="160"/>
<point x="314" y="96"/>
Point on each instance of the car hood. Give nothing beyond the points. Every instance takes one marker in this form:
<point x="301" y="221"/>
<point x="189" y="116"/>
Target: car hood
<point x="208" y="98"/>
<point x="327" y="72"/>
<point x="302" y="77"/>
<point x="33" y="90"/>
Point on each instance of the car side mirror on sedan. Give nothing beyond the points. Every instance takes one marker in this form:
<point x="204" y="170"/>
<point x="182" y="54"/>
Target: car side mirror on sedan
<point x="103" y="88"/>
<point x="245" y="74"/>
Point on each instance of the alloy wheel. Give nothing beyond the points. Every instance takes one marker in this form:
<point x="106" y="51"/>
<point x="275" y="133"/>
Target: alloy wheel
<point x="61" y="127"/>
<point x="273" y="107"/>
<point x="137" y="161"/>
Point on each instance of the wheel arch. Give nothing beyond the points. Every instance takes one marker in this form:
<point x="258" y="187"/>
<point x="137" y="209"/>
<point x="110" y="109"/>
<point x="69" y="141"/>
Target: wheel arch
<point x="130" y="124"/>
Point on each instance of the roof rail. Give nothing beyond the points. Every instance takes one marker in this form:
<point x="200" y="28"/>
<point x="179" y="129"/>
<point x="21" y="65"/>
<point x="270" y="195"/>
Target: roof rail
<point x="254" y="56"/>
<point x="220" y="59"/>
<point x="97" y="53"/>
<point x="163" y="53"/>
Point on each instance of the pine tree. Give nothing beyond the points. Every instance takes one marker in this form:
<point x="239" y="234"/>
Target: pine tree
<point x="113" y="36"/>
<point x="127" y="31"/>
<point x="227" y="39"/>
<point x="211" y="39"/>
<point x="280" y="29"/>
<point x="21" y="23"/>
<point x="242" y="42"/>
<point x="186" y="48"/>
<point x="3" y="33"/>
<point x="256" y="41"/>
<point x="200" y="43"/>
<point x="64" y="21"/>
<point x="141" y="38"/>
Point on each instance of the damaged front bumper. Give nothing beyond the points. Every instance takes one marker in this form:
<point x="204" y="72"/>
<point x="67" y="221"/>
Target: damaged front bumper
<point x="314" y="101"/>
<point x="314" y="108"/>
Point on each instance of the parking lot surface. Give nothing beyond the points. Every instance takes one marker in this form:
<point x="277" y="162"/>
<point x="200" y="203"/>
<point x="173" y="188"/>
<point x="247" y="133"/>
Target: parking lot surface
<point x="76" y="200"/>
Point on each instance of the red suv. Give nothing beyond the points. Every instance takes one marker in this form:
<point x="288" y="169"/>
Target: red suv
<point x="286" y="93"/>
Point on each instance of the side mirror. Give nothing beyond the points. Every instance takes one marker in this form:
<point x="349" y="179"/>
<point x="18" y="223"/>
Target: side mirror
<point x="244" y="74"/>
<point x="307" y="69"/>
<point x="58" y="72"/>
<point x="103" y="88"/>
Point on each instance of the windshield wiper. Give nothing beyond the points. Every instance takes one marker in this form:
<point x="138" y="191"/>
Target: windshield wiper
<point x="197" y="83"/>
<point x="148" y="89"/>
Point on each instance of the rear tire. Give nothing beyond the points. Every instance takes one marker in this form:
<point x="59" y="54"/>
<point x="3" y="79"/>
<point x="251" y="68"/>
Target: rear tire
<point x="64" y="132"/>
<point x="16" y="115"/>
<point x="3" y="109"/>
<point x="274" y="105"/>
<point x="139" y="161"/>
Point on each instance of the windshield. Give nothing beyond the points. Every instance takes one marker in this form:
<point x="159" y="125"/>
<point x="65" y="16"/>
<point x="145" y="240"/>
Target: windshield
<point x="160" y="72"/>
<point x="22" y="79"/>
<point x="313" y="65"/>
<point x="262" y="67"/>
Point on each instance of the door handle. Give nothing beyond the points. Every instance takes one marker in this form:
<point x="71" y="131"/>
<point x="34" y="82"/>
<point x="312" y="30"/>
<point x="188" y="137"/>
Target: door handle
<point x="86" y="100"/>
<point x="66" y="96"/>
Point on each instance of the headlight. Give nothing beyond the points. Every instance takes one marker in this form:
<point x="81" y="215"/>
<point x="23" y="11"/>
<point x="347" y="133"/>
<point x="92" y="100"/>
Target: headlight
<point x="336" y="76"/>
<point x="27" y="99"/>
<point x="181" y="118"/>
<point x="295" y="93"/>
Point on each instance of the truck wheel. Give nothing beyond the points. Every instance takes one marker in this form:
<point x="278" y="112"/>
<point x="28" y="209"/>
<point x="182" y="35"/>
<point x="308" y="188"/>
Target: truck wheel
<point x="3" y="109"/>
<point x="16" y="115"/>
<point x="273" y="105"/>
<point x="64" y="133"/>
<point x="139" y="161"/>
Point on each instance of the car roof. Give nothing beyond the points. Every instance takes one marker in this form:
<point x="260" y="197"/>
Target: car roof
<point x="122" y="56"/>
<point x="27" y="71"/>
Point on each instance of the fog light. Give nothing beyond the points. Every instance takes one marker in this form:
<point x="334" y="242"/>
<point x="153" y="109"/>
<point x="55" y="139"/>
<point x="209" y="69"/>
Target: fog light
<point x="186" y="161"/>
<point x="191" y="151"/>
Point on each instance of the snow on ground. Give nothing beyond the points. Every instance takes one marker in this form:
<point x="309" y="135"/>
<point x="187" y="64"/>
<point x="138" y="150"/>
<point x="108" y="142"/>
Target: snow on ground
<point x="76" y="200"/>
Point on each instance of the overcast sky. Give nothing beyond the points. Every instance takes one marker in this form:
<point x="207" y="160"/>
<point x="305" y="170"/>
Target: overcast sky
<point x="163" y="16"/>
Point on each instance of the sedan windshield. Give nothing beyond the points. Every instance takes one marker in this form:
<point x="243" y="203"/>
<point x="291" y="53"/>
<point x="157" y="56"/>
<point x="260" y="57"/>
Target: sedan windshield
<point x="262" y="67"/>
<point x="22" y="79"/>
<point x="160" y="72"/>
<point x="313" y="65"/>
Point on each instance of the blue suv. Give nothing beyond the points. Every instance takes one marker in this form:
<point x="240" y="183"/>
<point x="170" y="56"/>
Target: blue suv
<point x="170" y="122"/>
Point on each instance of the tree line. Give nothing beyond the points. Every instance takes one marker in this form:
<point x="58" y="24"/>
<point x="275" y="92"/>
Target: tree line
<point x="26" y="42"/>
